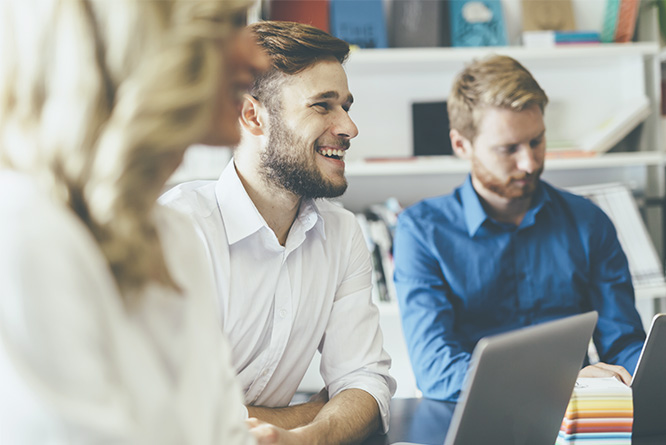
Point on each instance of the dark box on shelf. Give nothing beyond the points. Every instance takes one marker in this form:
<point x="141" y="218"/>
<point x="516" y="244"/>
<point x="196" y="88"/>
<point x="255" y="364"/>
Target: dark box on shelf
<point x="430" y="124"/>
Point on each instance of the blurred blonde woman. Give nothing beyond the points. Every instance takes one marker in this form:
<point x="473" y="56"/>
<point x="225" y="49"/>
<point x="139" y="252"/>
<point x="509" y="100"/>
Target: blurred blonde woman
<point x="108" y="329"/>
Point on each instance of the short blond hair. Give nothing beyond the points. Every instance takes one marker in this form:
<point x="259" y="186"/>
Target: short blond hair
<point x="98" y="102"/>
<point x="495" y="81"/>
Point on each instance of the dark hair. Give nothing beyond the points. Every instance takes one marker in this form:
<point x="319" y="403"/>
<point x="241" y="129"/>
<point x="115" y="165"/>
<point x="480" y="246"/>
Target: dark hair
<point x="292" y="47"/>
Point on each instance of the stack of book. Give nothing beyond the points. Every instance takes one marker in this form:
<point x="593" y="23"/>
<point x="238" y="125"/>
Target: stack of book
<point x="600" y="411"/>
<point x="552" y="38"/>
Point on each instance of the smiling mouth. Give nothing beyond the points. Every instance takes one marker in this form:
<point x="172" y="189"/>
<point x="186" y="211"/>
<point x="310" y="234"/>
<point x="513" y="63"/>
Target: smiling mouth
<point x="331" y="153"/>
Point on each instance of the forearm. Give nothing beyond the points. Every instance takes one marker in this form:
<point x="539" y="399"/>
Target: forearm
<point x="287" y="417"/>
<point x="349" y="417"/>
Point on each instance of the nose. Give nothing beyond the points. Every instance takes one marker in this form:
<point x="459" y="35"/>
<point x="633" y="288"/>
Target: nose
<point x="527" y="159"/>
<point x="345" y="126"/>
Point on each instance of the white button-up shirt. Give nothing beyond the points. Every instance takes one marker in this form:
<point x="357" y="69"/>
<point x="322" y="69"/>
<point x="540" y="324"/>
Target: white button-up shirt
<point x="279" y="304"/>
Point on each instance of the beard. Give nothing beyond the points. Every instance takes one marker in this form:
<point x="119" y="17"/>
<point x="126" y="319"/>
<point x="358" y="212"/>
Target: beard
<point x="289" y="163"/>
<point x="506" y="188"/>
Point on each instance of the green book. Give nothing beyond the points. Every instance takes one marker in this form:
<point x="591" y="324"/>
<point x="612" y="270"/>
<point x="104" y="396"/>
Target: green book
<point x="610" y="21"/>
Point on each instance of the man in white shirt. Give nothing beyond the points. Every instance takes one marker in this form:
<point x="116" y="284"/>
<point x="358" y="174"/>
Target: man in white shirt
<point x="293" y="271"/>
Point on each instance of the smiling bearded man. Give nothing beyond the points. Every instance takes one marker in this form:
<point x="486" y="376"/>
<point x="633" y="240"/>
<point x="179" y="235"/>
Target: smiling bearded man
<point x="293" y="272"/>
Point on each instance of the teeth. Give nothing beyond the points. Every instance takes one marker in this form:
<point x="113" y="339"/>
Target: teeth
<point x="332" y="152"/>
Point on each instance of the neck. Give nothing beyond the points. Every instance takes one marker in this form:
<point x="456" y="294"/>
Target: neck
<point x="501" y="209"/>
<point x="277" y="206"/>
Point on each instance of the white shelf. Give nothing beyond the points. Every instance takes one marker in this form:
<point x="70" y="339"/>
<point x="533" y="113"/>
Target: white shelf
<point x="435" y="55"/>
<point x="430" y="165"/>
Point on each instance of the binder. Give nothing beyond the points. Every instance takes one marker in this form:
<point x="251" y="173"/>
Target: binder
<point x="360" y="23"/>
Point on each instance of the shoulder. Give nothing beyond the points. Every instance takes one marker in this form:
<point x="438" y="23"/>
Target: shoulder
<point x="180" y="236"/>
<point x="438" y="210"/>
<point x="580" y="207"/>
<point x="196" y="198"/>
<point x="336" y="215"/>
<point x="50" y="265"/>
<point x="36" y="226"/>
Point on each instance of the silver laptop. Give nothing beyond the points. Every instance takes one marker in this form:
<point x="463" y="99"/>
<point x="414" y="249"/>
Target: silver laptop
<point x="649" y="387"/>
<point x="519" y="384"/>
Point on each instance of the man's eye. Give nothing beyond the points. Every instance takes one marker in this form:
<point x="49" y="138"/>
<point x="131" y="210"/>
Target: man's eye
<point x="322" y="105"/>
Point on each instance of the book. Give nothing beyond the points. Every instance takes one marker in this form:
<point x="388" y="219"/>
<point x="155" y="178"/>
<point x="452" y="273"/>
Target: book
<point x="552" y="38"/>
<point x="418" y="23"/>
<point x="311" y="12"/>
<point x="600" y="411"/>
<point x="626" y="20"/>
<point x="477" y="23"/>
<point x="548" y="15"/>
<point x="612" y="128"/>
<point x="610" y="21"/>
<point x="360" y="23"/>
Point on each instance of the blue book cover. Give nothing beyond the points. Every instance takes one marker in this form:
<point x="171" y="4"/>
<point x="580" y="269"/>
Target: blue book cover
<point x="359" y="22"/>
<point x="477" y="23"/>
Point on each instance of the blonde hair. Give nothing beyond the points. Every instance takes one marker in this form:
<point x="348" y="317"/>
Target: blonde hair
<point x="98" y="101"/>
<point x="496" y="81"/>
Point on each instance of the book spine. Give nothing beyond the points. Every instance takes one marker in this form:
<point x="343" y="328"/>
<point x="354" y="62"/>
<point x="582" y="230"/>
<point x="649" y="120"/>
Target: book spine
<point x="626" y="20"/>
<point x="310" y="12"/>
<point x="610" y="21"/>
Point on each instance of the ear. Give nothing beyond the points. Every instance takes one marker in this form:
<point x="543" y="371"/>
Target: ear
<point x="252" y="115"/>
<point x="462" y="146"/>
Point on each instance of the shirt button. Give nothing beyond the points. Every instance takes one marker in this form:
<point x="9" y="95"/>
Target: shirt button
<point x="283" y="313"/>
<point x="264" y="372"/>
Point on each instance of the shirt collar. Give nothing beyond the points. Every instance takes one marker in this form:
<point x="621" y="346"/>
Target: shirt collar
<point x="241" y="217"/>
<point x="310" y="216"/>
<point x="475" y="214"/>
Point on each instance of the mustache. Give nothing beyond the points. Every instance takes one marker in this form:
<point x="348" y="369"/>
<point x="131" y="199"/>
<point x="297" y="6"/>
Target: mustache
<point x="338" y="142"/>
<point x="524" y="176"/>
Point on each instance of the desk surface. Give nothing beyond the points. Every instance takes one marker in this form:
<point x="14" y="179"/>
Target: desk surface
<point x="426" y="421"/>
<point x="416" y="420"/>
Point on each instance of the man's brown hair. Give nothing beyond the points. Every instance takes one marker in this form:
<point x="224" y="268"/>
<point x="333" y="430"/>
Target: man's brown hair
<point x="496" y="81"/>
<point x="292" y="47"/>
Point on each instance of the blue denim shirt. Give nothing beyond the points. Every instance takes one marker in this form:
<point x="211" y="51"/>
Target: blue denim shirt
<point x="460" y="276"/>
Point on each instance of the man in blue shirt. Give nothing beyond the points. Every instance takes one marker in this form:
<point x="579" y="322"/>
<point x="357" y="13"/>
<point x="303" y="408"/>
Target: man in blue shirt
<point x="505" y="249"/>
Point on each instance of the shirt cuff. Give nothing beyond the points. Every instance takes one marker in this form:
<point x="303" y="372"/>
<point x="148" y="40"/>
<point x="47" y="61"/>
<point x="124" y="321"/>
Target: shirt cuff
<point x="380" y="387"/>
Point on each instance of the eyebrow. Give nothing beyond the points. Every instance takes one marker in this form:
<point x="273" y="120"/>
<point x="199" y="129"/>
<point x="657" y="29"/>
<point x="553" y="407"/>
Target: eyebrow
<point x="332" y="95"/>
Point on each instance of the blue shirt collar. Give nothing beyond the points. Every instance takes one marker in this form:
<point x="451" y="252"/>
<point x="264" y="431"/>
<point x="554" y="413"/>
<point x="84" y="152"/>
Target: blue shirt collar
<point x="475" y="214"/>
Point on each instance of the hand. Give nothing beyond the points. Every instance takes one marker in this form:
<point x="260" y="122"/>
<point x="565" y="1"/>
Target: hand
<point x="606" y="370"/>
<point x="267" y="434"/>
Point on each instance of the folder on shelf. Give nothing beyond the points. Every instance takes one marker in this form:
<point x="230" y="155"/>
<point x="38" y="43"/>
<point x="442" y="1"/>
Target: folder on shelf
<point x="606" y="134"/>
<point x="418" y="23"/>
<point x="477" y="23"/>
<point x="611" y="131"/>
<point x="311" y="12"/>
<point x="359" y="23"/>
<point x="620" y="206"/>
<point x="542" y="15"/>
<point x="627" y="16"/>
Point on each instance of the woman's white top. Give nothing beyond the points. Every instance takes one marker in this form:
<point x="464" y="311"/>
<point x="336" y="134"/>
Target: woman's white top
<point x="77" y="367"/>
